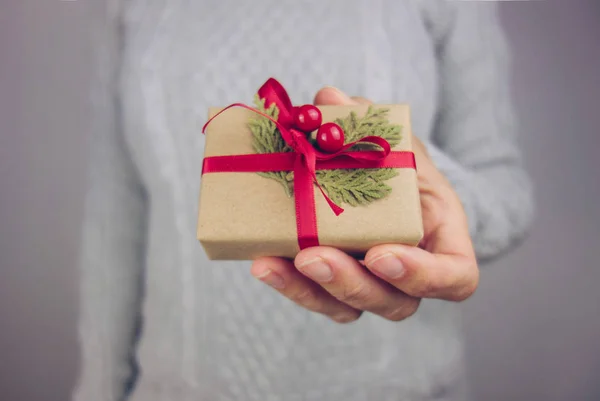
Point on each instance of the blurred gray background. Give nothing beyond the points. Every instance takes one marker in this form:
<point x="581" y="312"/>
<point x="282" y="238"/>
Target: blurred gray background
<point x="533" y="328"/>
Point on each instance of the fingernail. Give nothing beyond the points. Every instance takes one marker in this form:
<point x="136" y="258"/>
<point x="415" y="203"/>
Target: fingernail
<point x="388" y="265"/>
<point x="271" y="278"/>
<point x="317" y="269"/>
<point x="342" y="96"/>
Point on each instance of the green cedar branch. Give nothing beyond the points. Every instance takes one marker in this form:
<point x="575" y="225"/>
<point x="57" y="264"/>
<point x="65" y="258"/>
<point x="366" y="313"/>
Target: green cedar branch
<point x="355" y="187"/>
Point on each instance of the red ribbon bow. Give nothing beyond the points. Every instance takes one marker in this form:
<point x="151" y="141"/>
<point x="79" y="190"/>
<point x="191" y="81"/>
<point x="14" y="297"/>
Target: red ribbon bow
<point x="305" y="160"/>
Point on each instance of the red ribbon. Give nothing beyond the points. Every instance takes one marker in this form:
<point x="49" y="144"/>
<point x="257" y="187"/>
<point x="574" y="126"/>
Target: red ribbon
<point x="305" y="160"/>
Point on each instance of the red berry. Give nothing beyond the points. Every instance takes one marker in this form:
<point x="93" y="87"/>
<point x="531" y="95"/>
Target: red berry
<point x="330" y="137"/>
<point x="307" y="118"/>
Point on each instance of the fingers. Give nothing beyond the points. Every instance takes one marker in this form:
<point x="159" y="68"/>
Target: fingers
<point x="419" y="273"/>
<point x="282" y="276"/>
<point x="349" y="282"/>
<point x="333" y="96"/>
<point x="361" y="100"/>
<point x="447" y="269"/>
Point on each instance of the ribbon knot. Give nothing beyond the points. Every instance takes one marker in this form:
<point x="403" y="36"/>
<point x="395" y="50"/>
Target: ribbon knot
<point x="297" y="141"/>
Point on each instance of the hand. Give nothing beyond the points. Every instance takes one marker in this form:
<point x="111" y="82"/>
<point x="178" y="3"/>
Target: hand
<point x="393" y="278"/>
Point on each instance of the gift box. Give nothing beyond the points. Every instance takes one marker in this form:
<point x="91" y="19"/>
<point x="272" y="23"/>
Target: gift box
<point x="268" y="190"/>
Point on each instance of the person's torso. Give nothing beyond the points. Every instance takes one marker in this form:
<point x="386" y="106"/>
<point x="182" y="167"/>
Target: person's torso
<point x="210" y="330"/>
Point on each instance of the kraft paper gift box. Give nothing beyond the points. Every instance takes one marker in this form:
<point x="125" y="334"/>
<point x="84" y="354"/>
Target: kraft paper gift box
<point x="245" y="215"/>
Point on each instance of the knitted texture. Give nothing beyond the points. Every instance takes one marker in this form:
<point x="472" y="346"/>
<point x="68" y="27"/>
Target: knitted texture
<point x="209" y="331"/>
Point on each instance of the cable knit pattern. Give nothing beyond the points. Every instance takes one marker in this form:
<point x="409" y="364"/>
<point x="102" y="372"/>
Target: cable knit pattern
<point x="209" y="331"/>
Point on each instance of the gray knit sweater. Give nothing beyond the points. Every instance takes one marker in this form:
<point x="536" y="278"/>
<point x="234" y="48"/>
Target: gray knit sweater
<point x="161" y="322"/>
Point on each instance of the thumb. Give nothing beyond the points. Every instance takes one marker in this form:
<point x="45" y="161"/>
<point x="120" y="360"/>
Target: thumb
<point x="414" y="271"/>
<point x="333" y="96"/>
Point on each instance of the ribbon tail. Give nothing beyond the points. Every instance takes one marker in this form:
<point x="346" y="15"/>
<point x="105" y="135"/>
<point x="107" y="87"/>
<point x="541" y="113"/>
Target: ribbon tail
<point x="336" y="209"/>
<point x="285" y="134"/>
<point x="310" y="158"/>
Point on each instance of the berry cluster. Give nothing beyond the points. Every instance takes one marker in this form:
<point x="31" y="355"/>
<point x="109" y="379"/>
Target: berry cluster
<point x="330" y="136"/>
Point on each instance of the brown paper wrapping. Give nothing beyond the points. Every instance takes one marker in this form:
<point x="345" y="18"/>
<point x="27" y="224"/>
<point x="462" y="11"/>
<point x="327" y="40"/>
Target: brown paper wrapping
<point x="243" y="216"/>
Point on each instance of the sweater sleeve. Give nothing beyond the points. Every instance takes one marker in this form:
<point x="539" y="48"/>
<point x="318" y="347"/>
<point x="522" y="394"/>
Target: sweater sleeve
<point x="474" y="140"/>
<point x="112" y="239"/>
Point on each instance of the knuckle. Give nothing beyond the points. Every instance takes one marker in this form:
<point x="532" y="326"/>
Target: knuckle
<point x="308" y="299"/>
<point x="406" y="310"/>
<point x="356" y="295"/>
<point x="423" y="289"/>
<point x="466" y="291"/>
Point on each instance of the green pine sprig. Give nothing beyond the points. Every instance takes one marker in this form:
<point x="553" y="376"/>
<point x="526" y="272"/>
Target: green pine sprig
<point x="355" y="187"/>
<point x="267" y="139"/>
<point x="374" y="123"/>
